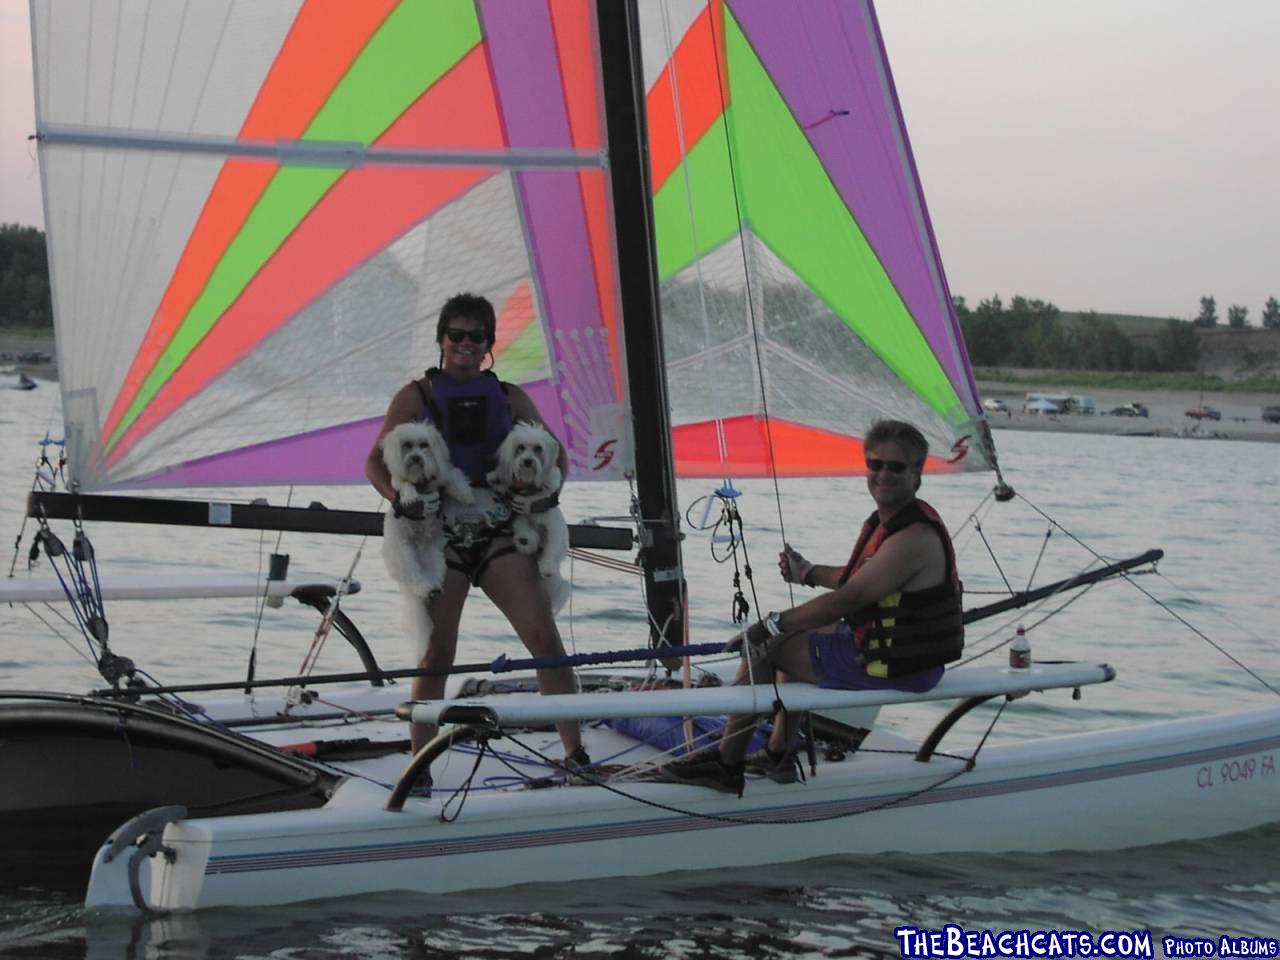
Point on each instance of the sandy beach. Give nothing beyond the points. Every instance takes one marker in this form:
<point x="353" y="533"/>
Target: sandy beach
<point x="1241" y="412"/>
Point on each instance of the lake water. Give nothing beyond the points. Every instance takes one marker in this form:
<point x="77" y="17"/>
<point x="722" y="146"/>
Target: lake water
<point x="1211" y="505"/>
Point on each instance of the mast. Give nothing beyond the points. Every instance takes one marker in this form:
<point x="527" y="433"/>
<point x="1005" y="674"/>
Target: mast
<point x="623" y="80"/>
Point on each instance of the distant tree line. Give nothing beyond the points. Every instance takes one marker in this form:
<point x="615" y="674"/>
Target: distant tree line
<point x="24" y="279"/>
<point x="1032" y="333"/>
<point x="1237" y="315"/>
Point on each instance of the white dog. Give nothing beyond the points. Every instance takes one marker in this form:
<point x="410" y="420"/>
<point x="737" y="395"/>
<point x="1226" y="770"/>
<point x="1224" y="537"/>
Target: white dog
<point x="527" y="470"/>
<point x="412" y="544"/>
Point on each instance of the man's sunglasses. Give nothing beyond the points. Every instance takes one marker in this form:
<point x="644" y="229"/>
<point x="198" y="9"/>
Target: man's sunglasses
<point x="875" y="465"/>
<point x="475" y="336"/>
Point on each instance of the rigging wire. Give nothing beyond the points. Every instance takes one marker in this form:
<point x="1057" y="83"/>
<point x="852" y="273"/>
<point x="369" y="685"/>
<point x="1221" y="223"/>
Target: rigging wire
<point x="683" y="147"/>
<point x="41" y="482"/>
<point x="1020" y="617"/>
<point x="747" y="282"/>
<point x="262" y="601"/>
<point x="1204" y="636"/>
<point x="326" y="622"/>
<point x="1157" y="601"/>
<point x="71" y="645"/>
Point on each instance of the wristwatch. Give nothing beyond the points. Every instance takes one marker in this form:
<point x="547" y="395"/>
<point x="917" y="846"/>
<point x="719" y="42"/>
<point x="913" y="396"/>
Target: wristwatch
<point x="773" y="623"/>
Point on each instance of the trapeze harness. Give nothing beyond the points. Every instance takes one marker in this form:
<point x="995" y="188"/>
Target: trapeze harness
<point x="911" y="630"/>
<point x="474" y="417"/>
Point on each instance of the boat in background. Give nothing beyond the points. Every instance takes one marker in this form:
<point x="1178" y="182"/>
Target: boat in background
<point x="16" y="380"/>
<point x="703" y="230"/>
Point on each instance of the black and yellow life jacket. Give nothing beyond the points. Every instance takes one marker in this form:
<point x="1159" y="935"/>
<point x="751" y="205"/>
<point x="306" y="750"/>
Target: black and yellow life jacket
<point x="911" y="630"/>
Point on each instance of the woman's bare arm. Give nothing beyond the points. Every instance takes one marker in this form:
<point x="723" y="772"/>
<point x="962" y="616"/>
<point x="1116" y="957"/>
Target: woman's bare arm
<point x="403" y="409"/>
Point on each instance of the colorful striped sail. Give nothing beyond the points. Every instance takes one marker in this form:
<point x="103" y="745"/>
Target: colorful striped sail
<point x="255" y="212"/>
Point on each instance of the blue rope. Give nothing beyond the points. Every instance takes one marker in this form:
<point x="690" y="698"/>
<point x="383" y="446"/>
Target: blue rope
<point x="502" y="664"/>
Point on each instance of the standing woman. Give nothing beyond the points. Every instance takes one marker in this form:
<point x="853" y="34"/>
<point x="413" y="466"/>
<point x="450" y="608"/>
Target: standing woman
<point x="475" y="410"/>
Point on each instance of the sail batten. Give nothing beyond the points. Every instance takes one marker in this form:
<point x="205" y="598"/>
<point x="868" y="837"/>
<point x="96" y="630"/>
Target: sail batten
<point x="333" y="155"/>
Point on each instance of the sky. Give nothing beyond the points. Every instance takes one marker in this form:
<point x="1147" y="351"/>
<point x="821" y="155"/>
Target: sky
<point x="1115" y="155"/>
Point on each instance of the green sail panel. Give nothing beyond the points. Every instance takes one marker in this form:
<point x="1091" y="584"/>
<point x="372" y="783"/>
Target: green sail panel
<point x="417" y="44"/>
<point x="792" y="207"/>
<point x="526" y="356"/>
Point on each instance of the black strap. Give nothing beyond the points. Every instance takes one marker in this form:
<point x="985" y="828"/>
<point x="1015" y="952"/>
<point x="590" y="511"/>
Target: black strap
<point x="428" y="402"/>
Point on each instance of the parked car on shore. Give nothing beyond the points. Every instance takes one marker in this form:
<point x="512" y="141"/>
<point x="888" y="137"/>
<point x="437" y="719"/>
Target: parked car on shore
<point x="1130" y="410"/>
<point x="1271" y="414"/>
<point x="1204" y="412"/>
<point x="995" y="405"/>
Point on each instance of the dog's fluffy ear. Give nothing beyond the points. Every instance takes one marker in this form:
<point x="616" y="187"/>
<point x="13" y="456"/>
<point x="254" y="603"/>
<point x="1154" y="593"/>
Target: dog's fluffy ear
<point x="390" y="445"/>
<point x="435" y="443"/>
<point x="550" y="451"/>
<point x="551" y="479"/>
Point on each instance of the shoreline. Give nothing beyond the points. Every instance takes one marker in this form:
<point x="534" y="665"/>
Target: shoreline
<point x="1241" y="412"/>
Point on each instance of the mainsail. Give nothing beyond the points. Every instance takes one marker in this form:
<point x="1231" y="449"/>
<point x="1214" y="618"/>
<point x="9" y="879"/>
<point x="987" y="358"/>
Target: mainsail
<point x="256" y="210"/>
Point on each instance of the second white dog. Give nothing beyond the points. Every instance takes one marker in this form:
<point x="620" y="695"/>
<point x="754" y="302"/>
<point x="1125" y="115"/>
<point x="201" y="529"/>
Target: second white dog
<point x="527" y="468"/>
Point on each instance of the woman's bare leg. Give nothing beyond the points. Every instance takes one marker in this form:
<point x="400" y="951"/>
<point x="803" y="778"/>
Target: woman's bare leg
<point x="514" y="585"/>
<point x="445" y="612"/>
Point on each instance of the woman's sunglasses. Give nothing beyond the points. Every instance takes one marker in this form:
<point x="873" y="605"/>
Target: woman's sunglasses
<point x="475" y="336"/>
<point x="875" y="465"/>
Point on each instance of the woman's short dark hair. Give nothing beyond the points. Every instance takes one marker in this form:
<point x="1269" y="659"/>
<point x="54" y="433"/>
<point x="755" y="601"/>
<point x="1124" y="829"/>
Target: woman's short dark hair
<point x="903" y="434"/>
<point x="467" y="305"/>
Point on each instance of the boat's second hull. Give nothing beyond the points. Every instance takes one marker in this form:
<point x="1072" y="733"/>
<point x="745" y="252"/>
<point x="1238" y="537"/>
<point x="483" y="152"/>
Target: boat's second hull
<point x="1161" y="782"/>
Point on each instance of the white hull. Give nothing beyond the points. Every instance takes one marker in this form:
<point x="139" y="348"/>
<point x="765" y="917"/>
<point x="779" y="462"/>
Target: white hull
<point x="1178" y="780"/>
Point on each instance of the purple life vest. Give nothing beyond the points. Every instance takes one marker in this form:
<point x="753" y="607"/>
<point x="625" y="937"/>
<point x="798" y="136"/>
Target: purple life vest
<point x="474" y="417"/>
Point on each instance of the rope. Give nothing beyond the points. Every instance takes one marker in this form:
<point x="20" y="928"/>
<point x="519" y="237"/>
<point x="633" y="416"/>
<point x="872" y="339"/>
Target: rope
<point x="587" y="775"/>
<point x="464" y="791"/>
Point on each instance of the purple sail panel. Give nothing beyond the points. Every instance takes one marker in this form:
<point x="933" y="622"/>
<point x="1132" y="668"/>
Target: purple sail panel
<point x="328" y="457"/>
<point x="825" y="59"/>
<point x="532" y="107"/>
<point x="333" y="456"/>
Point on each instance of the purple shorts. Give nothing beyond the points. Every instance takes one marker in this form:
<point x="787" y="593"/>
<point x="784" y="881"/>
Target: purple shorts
<point x="835" y="661"/>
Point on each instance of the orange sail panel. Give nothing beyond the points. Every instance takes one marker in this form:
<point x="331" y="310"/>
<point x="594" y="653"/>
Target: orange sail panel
<point x="367" y="208"/>
<point x="326" y="36"/>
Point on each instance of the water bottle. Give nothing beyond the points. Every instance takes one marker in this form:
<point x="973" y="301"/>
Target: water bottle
<point x="1020" y="651"/>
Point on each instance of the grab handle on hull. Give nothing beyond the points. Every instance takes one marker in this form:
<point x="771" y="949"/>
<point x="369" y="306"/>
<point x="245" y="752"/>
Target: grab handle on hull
<point x="142" y="835"/>
<point x="420" y="763"/>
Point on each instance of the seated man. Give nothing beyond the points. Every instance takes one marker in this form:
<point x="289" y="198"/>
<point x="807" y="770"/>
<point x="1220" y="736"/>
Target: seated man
<point x="891" y="619"/>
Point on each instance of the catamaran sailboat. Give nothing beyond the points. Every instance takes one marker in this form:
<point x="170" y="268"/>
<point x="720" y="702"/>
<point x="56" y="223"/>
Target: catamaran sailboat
<point x="704" y="232"/>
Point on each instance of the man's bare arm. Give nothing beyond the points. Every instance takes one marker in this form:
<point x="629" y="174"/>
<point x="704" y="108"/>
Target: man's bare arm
<point x="900" y="561"/>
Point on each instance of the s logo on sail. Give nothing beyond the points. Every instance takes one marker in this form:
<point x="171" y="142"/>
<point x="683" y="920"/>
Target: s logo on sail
<point x="604" y="454"/>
